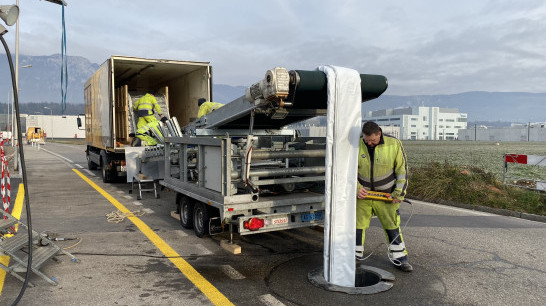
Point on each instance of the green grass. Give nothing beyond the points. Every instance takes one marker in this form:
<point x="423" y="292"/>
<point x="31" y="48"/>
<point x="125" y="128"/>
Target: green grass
<point x="471" y="173"/>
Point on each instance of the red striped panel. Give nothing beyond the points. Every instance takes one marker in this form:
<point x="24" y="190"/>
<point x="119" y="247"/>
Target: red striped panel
<point x="515" y="158"/>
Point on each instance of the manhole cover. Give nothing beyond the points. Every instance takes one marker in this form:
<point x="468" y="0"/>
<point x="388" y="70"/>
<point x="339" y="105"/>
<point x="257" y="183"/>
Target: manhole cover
<point x="368" y="280"/>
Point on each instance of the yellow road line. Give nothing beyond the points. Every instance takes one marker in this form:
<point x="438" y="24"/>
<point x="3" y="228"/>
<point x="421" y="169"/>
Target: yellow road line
<point x="17" y="208"/>
<point x="215" y="296"/>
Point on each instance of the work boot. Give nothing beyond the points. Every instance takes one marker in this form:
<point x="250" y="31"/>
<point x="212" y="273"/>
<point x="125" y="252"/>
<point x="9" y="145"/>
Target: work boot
<point x="404" y="265"/>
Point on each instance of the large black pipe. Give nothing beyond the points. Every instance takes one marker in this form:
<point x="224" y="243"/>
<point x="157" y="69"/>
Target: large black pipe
<point x="308" y="89"/>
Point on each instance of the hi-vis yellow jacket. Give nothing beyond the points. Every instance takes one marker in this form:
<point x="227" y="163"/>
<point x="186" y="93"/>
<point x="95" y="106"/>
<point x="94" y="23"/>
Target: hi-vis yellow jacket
<point x="146" y="106"/>
<point x="388" y="170"/>
<point x="208" y="107"/>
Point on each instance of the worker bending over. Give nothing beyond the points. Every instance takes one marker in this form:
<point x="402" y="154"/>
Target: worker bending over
<point x="206" y="107"/>
<point x="144" y="108"/>
<point x="381" y="167"/>
<point x="148" y="134"/>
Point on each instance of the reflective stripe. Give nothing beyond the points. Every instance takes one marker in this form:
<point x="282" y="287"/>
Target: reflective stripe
<point x="359" y="248"/>
<point x="397" y="255"/>
<point x="389" y="175"/>
<point x="397" y="247"/>
<point x="400" y="185"/>
<point x="401" y="177"/>
<point x="385" y="187"/>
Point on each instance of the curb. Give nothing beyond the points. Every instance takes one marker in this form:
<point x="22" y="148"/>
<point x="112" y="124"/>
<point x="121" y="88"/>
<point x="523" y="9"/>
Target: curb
<point x="496" y="211"/>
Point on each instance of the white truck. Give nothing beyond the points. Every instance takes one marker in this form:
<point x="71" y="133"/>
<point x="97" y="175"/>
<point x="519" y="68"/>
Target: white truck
<point x="238" y="167"/>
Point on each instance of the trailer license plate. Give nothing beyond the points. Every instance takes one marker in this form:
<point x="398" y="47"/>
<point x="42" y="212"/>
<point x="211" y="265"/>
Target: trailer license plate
<point x="282" y="220"/>
<point x="311" y="217"/>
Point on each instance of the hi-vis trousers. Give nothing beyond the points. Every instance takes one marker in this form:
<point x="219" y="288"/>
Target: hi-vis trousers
<point x="389" y="216"/>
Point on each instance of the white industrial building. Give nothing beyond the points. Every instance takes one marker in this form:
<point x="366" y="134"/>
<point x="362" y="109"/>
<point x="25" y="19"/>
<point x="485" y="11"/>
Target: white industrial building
<point x="420" y="123"/>
<point x="57" y="126"/>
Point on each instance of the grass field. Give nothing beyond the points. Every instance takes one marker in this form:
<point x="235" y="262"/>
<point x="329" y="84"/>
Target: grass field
<point x="485" y="155"/>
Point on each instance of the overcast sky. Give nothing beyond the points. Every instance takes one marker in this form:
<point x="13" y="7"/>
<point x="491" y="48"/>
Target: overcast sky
<point x="422" y="47"/>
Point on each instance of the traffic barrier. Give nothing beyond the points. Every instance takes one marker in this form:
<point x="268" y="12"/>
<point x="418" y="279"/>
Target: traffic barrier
<point x="5" y="181"/>
<point x="531" y="160"/>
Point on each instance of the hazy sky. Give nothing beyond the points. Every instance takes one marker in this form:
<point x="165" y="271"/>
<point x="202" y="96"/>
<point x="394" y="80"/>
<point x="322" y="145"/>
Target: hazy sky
<point x="422" y="47"/>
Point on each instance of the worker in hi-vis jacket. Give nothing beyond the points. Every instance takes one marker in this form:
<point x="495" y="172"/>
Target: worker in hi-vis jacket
<point x="206" y="107"/>
<point x="146" y="136"/>
<point x="381" y="167"/>
<point x="145" y="108"/>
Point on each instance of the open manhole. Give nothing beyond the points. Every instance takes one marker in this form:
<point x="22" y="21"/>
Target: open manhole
<point x="368" y="280"/>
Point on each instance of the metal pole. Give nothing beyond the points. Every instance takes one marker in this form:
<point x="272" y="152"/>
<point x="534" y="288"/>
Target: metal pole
<point x="15" y="141"/>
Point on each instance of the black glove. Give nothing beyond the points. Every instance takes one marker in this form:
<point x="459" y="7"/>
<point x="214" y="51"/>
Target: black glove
<point x="164" y="119"/>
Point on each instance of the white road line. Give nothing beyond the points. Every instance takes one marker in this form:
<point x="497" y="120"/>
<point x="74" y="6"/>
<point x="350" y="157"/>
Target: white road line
<point x="79" y="166"/>
<point x="68" y="160"/>
<point x="270" y="300"/>
<point x="478" y="213"/>
<point x="137" y="203"/>
<point x="148" y="210"/>
<point x="128" y="197"/>
<point x="202" y="249"/>
<point x="89" y="172"/>
<point x="181" y="233"/>
<point x="120" y="191"/>
<point x="231" y="272"/>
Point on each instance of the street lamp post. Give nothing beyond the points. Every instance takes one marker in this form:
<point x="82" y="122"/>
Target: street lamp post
<point x="51" y="118"/>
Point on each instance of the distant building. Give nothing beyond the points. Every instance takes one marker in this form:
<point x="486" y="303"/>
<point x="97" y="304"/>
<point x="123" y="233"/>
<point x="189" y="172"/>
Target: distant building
<point x="420" y="123"/>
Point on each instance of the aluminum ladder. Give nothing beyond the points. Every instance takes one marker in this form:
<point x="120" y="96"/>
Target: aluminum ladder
<point x="13" y="243"/>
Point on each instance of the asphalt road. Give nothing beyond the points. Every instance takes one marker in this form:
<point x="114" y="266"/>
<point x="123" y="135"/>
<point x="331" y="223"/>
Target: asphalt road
<point x="460" y="257"/>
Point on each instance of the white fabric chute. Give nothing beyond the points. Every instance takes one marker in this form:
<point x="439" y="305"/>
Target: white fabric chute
<point x="344" y="121"/>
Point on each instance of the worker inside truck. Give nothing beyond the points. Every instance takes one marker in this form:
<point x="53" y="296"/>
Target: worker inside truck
<point x="206" y="107"/>
<point x="148" y="132"/>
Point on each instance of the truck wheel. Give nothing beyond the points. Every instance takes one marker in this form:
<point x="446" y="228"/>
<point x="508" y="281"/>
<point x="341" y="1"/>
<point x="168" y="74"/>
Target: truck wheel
<point x="200" y="220"/>
<point x="186" y="212"/>
<point x="91" y="165"/>
<point x="104" y="173"/>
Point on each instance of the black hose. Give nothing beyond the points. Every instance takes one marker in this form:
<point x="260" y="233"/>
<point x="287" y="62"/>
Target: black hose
<point x="23" y="168"/>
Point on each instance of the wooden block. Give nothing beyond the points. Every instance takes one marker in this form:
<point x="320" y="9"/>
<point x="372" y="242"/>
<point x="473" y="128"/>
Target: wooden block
<point x="230" y="247"/>
<point x="175" y="215"/>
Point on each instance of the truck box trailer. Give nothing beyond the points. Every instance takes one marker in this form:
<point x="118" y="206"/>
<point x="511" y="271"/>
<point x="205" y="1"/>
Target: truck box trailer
<point x="119" y="82"/>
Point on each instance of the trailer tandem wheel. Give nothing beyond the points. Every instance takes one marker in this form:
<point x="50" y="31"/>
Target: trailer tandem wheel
<point x="186" y="205"/>
<point x="200" y="219"/>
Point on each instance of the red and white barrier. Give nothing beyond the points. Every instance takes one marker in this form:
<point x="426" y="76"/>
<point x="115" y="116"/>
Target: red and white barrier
<point x="531" y="160"/>
<point x="5" y="180"/>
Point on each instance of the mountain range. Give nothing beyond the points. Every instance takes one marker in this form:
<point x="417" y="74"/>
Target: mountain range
<point x="41" y="84"/>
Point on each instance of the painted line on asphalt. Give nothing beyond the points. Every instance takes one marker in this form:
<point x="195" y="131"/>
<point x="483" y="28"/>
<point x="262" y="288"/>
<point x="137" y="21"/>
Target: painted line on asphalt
<point x="16" y="213"/>
<point x="89" y="172"/>
<point x="181" y="233"/>
<point x="202" y="249"/>
<point x="128" y="197"/>
<point x="137" y="203"/>
<point x="79" y="166"/>
<point x="148" y="210"/>
<point x="231" y="272"/>
<point x="270" y="300"/>
<point x="53" y="153"/>
<point x="215" y="296"/>
<point x="478" y="213"/>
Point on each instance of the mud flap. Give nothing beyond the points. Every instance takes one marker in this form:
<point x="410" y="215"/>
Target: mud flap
<point x="215" y="226"/>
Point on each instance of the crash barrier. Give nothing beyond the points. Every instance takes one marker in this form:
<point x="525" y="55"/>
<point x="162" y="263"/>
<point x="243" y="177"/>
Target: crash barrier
<point x="5" y="180"/>
<point x="532" y="160"/>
